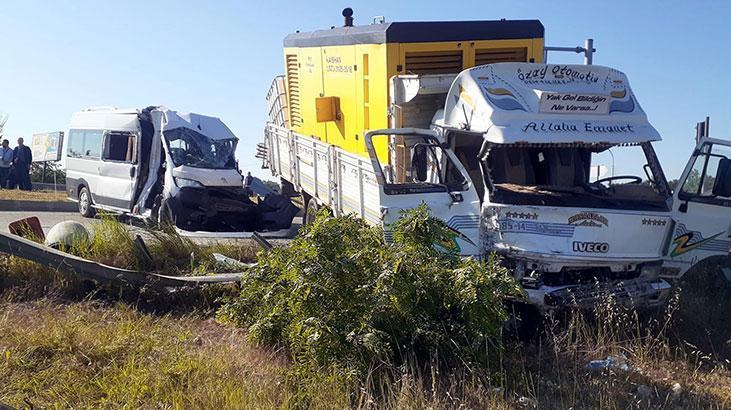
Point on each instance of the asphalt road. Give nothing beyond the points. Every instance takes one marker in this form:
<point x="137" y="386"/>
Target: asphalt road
<point x="48" y="219"/>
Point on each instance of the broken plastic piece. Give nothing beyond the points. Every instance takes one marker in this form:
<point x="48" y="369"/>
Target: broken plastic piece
<point x="26" y="227"/>
<point x="611" y="362"/>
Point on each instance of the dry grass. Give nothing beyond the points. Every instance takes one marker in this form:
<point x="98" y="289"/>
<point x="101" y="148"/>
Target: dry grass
<point x="102" y="355"/>
<point x="41" y="196"/>
<point x="91" y="355"/>
<point x="67" y="350"/>
<point x="661" y="372"/>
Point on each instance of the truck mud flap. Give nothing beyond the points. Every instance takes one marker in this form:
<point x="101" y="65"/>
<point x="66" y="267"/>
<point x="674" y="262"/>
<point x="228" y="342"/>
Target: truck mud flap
<point x="85" y="269"/>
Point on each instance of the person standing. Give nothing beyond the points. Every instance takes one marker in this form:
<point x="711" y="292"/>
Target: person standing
<point x="6" y="160"/>
<point x="22" y="158"/>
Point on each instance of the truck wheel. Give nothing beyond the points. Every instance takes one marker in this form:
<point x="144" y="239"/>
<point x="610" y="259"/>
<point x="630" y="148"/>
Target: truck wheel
<point x="311" y="211"/>
<point x="85" y="207"/>
<point x="705" y="299"/>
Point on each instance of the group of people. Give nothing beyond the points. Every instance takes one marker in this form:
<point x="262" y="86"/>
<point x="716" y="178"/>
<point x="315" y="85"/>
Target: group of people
<point x="15" y="165"/>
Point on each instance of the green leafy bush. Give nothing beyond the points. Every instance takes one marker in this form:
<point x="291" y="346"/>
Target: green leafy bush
<point x="341" y="296"/>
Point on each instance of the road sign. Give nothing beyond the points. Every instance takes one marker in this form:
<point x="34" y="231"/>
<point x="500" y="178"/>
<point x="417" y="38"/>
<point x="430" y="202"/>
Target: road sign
<point x="47" y="146"/>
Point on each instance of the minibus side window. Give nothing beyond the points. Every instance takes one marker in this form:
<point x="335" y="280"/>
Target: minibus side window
<point x="119" y="147"/>
<point x="75" y="144"/>
<point x="92" y="144"/>
<point x="85" y="144"/>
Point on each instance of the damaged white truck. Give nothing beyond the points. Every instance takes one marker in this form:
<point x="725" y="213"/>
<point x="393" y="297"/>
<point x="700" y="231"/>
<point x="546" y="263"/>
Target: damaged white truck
<point x="550" y="166"/>
<point x="164" y="166"/>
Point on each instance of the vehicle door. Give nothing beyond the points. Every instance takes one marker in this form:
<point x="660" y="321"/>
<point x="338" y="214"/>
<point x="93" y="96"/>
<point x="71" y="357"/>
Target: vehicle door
<point x="412" y="167"/>
<point x="118" y="170"/>
<point x="701" y="208"/>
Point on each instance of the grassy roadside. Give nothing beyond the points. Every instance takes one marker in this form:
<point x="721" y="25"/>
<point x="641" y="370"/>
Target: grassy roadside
<point x="40" y="196"/>
<point x="110" y="355"/>
<point x="95" y="355"/>
<point x="64" y="346"/>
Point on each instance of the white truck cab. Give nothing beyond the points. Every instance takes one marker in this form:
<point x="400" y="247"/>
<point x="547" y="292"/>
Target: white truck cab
<point x="162" y="165"/>
<point x="534" y="140"/>
<point x="550" y="166"/>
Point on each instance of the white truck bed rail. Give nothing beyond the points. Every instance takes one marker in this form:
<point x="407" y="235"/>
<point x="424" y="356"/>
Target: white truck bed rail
<point x="344" y="182"/>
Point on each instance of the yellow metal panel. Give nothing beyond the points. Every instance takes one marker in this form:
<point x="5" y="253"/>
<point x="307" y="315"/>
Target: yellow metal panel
<point x="372" y="92"/>
<point x="310" y="88"/>
<point x="383" y="59"/>
<point x="538" y="47"/>
<point x="359" y="77"/>
<point x="339" y="76"/>
<point x="328" y="108"/>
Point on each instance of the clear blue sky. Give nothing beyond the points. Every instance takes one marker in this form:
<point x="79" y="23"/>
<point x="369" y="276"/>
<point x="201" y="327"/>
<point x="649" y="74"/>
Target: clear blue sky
<point x="219" y="57"/>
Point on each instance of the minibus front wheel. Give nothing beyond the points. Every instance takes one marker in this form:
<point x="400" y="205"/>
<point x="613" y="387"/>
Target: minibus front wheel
<point x="86" y="209"/>
<point x="166" y="215"/>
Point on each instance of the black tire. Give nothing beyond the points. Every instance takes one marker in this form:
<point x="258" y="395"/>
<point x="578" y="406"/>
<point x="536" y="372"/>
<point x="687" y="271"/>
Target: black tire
<point x="86" y="208"/>
<point x="702" y="318"/>
<point x="165" y="215"/>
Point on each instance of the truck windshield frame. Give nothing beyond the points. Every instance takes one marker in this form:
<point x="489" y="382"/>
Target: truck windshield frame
<point x="440" y="172"/>
<point x="561" y="175"/>
<point x="191" y="148"/>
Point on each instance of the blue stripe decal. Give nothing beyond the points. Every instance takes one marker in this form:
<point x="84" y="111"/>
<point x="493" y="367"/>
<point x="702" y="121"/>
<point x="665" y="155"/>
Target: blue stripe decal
<point x="464" y="222"/>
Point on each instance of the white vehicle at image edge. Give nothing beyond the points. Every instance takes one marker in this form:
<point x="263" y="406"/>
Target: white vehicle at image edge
<point x="162" y="166"/>
<point x="520" y="161"/>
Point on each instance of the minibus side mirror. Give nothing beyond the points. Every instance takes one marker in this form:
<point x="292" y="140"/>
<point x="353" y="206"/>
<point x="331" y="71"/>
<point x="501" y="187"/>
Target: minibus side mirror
<point x="722" y="184"/>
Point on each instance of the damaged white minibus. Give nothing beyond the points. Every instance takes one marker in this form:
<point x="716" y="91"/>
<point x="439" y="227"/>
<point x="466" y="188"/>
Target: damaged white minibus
<point x="162" y="165"/>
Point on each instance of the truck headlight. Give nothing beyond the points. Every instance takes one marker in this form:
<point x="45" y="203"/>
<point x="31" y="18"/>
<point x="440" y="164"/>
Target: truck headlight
<point x="187" y="183"/>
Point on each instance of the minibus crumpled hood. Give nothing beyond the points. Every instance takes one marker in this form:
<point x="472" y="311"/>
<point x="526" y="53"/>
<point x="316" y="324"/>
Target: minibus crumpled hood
<point x="162" y="119"/>
<point x="210" y="177"/>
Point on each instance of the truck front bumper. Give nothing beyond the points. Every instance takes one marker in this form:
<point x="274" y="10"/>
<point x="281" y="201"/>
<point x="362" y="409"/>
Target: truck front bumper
<point x="640" y="293"/>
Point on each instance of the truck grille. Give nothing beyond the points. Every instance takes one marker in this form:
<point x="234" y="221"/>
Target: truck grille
<point x="293" y="90"/>
<point x="434" y="62"/>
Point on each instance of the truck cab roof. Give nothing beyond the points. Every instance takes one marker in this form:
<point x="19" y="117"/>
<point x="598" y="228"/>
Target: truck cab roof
<point x="514" y="103"/>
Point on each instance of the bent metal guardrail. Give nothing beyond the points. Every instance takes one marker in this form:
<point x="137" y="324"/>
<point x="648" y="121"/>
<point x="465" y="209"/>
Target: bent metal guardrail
<point x="84" y="269"/>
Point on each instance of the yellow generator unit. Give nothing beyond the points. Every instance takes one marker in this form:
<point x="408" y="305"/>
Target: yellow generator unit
<point x="337" y="80"/>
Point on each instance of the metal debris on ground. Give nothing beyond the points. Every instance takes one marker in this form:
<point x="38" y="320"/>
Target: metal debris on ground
<point x="85" y="269"/>
<point x="231" y="262"/>
<point x="142" y="249"/>
<point x="261" y="241"/>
